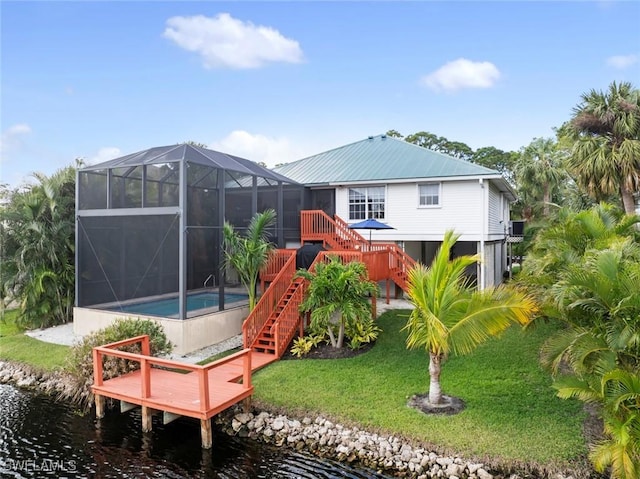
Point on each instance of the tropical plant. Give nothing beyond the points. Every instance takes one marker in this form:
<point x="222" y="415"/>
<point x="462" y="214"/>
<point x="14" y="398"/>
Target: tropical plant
<point x="585" y="270"/>
<point x="605" y="129"/>
<point x="564" y="242"/>
<point x="248" y="254"/>
<point x="539" y="174"/>
<point x="363" y="332"/>
<point x="304" y="344"/>
<point x="337" y="295"/>
<point x="37" y="251"/>
<point x="80" y="360"/>
<point x="617" y="392"/>
<point x="450" y="316"/>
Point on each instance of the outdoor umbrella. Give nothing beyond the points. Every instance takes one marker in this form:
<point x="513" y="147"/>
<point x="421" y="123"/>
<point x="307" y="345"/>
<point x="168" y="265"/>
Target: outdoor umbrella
<point x="370" y="224"/>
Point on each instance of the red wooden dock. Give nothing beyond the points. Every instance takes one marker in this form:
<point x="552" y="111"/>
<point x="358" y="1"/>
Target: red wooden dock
<point x="176" y="388"/>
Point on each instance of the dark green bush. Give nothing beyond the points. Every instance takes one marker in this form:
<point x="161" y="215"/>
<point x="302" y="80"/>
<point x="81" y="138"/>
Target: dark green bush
<point x="80" y="361"/>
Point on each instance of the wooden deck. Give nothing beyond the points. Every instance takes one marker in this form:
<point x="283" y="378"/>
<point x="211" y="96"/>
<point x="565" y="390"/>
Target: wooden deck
<point x="175" y="388"/>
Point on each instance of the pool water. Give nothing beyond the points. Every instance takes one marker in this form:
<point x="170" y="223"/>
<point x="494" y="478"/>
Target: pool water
<point x="169" y="306"/>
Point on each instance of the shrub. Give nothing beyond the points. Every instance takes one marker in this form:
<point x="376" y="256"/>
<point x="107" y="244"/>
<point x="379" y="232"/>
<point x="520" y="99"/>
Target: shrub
<point x="80" y="361"/>
<point x="361" y="333"/>
<point x="337" y="295"/>
<point x="303" y="344"/>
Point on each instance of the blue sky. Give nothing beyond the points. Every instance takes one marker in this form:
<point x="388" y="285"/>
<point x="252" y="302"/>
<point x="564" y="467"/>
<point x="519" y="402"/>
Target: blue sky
<point x="278" y="81"/>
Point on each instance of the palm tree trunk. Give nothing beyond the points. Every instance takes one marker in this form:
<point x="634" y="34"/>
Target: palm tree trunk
<point x="340" y="334"/>
<point x="546" y="199"/>
<point x="627" y="200"/>
<point x="435" y="393"/>
<point x="332" y="338"/>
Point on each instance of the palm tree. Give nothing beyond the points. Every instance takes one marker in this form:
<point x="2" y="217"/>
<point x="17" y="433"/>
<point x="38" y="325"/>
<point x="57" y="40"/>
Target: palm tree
<point x="605" y="157"/>
<point x="248" y="254"/>
<point x="539" y="172"/>
<point x="38" y="249"/>
<point x="565" y="241"/>
<point x="337" y="293"/>
<point x="591" y="266"/>
<point x="450" y="316"/>
<point x="618" y="394"/>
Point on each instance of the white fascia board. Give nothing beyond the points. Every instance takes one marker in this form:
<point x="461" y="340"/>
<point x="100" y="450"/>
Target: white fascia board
<point x="429" y="179"/>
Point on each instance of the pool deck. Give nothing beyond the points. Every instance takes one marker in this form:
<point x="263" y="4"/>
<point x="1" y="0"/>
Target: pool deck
<point x="176" y="388"/>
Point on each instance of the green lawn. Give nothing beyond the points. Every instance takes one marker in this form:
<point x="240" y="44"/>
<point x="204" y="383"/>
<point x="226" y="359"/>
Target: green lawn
<point x="511" y="412"/>
<point x="15" y="346"/>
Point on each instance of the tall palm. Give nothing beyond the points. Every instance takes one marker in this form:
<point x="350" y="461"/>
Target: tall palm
<point x="248" y="254"/>
<point x="605" y="128"/>
<point x="450" y="316"/>
<point x="539" y="171"/>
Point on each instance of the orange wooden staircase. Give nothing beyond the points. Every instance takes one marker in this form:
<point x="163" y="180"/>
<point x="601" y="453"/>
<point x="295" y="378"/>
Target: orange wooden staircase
<point x="276" y="318"/>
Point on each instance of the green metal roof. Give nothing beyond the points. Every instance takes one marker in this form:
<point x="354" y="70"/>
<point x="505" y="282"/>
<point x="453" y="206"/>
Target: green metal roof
<point x="379" y="158"/>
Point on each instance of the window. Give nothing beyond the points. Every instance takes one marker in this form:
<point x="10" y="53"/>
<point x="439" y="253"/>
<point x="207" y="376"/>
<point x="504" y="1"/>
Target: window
<point x="429" y="194"/>
<point x="366" y="203"/>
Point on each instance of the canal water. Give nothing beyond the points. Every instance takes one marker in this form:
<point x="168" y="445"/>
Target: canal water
<point x="40" y="437"/>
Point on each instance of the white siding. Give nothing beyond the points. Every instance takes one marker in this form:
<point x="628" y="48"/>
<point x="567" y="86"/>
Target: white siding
<point x="495" y="211"/>
<point x="460" y="209"/>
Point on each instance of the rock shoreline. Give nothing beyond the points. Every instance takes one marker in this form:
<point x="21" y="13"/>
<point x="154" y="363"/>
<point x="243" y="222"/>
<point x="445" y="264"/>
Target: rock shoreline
<point x="386" y="454"/>
<point x="318" y="436"/>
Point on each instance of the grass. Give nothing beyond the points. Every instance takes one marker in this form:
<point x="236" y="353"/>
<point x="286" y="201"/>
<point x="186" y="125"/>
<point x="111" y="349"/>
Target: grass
<point x="15" y="346"/>
<point x="511" y="412"/>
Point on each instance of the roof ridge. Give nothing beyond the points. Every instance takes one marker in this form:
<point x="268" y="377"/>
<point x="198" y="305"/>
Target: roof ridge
<point x="338" y="148"/>
<point x="449" y="157"/>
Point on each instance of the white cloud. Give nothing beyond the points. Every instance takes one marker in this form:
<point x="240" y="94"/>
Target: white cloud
<point x="225" y="42"/>
<point x="13" y="138"/>
<point x="258" y="148"/>
<point x="462" y="73"/>
<point x="622" y="61"/>
<point x="104" y="154"/>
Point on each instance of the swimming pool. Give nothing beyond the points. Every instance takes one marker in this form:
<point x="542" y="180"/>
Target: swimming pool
<point x="169" y="306"/>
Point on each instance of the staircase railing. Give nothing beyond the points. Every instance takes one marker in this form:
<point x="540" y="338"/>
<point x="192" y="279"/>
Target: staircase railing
<point x="384" y="260"/>
<point x="399" y="265"/>
<point x="316" y="225"/>
<point x="258" y="317"/>
<point x="287" y="322"/>
<point x="277" y="259"/>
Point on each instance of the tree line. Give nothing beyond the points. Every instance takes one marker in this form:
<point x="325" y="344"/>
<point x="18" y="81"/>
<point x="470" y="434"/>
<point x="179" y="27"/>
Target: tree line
<point x="594" y="156"/>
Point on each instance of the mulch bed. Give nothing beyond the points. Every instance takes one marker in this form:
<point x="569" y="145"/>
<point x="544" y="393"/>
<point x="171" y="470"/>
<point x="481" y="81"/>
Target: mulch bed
<point x="450" y="404"/>
<point x="326" y="351"/>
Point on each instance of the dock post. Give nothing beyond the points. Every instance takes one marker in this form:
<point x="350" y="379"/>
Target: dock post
<point x="205" y="433"/>
<point x="146" y="418"/>
<point x="246" y="404"/>
<point x="99" y="400"/>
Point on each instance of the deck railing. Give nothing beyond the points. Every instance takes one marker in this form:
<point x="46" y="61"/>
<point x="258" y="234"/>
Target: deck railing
<point x="316" y="225"/>
<point x="146" y="362"/>
<point x="266" y="304"/>
<point x="275" y="263"/>
<point x="383" y="260"/>
<point x="288" y="320"/>
<point x="399" y="265"/>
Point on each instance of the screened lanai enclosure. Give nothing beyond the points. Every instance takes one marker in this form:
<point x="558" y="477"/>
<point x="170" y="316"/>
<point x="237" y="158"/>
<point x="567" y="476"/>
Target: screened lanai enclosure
<point x="149" y="232"/>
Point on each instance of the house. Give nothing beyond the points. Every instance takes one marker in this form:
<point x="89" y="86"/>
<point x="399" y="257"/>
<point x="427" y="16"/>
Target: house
<point x="148" y="231"/>
<point x="419" y="192"/>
